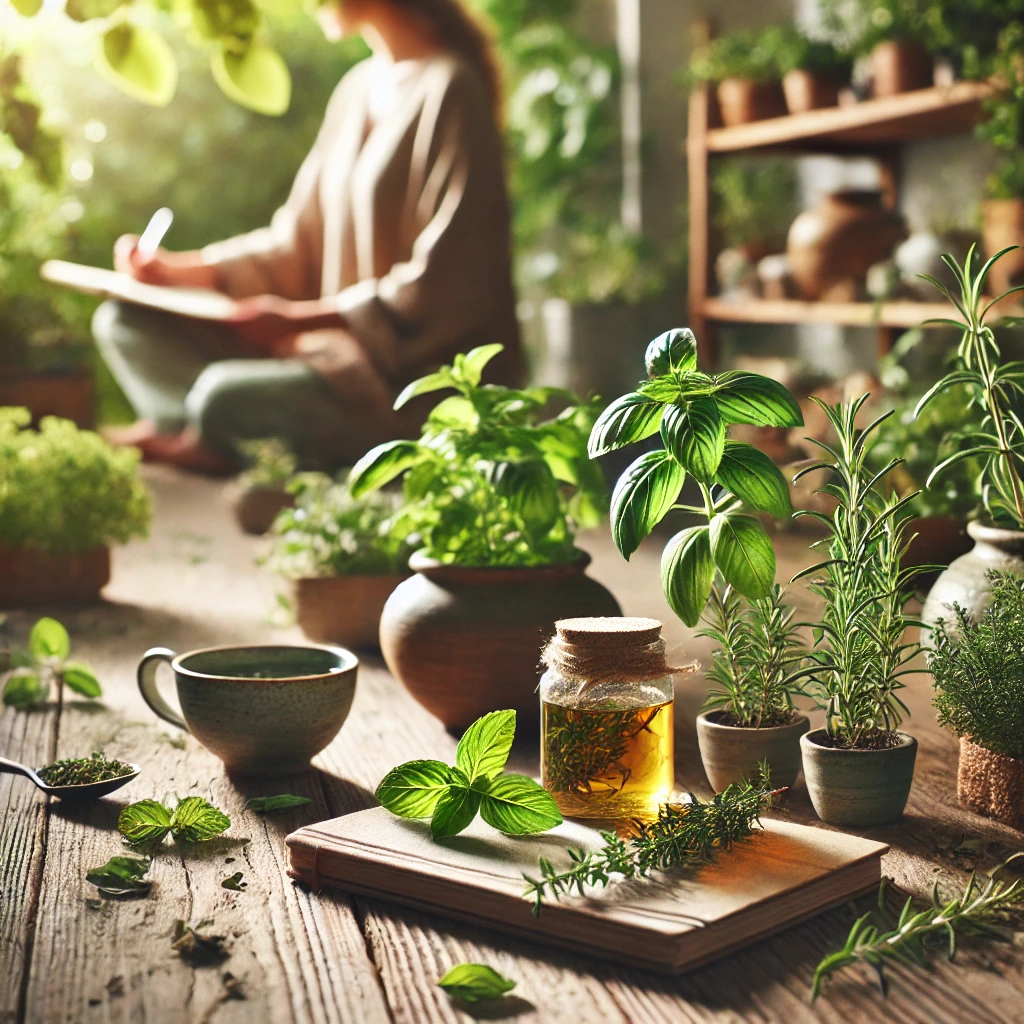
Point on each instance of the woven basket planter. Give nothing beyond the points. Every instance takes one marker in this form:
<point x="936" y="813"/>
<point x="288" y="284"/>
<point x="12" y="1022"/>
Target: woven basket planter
<point x="991" y="784"/>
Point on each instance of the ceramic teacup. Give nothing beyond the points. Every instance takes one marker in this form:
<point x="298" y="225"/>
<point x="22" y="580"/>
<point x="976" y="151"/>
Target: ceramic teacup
<point x="264" y="709"/>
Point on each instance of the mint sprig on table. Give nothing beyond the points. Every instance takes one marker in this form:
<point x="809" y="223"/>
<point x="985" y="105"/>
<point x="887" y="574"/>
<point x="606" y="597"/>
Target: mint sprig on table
<point x="193" y="820"/>
<point x="121" y="876"/>
<point x="452" y="795"/>
<point x="474" y="983"/>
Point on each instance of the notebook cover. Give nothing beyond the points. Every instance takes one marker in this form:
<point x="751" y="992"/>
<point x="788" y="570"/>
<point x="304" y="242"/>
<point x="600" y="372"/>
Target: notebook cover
<point x="671" y="922"/>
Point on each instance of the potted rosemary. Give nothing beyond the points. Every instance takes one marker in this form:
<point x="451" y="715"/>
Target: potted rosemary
<point x="342" y="558"/>
<point x="859" y="767"/>
<point x="995" y="439"/>
<point x="495" y="490"/>
<point x="749" y="716"/>
<point x="978" y="672"/>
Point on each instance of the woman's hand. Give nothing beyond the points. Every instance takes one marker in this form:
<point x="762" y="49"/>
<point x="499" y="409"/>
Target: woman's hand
<point x="265" y="320"/>
<point x="177" y="269"/>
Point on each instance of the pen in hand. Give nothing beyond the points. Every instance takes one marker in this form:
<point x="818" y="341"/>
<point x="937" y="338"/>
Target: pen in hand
<point x="150" y="239"/>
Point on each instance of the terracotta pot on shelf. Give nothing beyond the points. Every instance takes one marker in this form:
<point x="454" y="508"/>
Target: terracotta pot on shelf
<point x="742" y="100"/>
<point x="1002" y="225"/>
<point x="731" y="753"/>
<point x="991" y="784"/>
<point x="29" y="578"/>
<point x="809" y="90"/>
<point x="831" y="247"/>
<point x="900" y="66"/>
<point x="465" y="640"/>
<point x="343" y="610"/>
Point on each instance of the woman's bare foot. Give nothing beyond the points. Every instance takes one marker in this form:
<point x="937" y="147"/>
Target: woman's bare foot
<point x="131" y="435"/>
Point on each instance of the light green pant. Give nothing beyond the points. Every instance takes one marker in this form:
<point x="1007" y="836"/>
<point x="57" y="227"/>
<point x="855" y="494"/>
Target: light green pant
<point x="178" y="372"/>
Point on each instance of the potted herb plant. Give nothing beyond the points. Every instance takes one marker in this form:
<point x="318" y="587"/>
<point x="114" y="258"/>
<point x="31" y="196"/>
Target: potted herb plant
<point x="495" y="489"/>
<point x="859" y="767"/>
<point x="65" y="496"/>
<point x="813" y="71"/>
<point x="342" y="557"/>
<point x="994" y="438"/>
<point x="261" y="492"/>
<point x="750" y="716"/>
<point x="978" y="673"/>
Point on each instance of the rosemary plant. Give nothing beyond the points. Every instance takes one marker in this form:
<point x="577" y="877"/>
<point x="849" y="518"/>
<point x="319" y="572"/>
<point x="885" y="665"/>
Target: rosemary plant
<point x="993" y="387"/>
<point x="860" y="656"/>
<point x="978" y="910"/>
<point x="686" y="835"/>
<point x="759" y="652"/>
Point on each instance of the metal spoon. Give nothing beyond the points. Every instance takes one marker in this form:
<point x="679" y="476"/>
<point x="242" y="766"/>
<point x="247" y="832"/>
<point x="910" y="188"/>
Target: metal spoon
<point x="84" y="791"/>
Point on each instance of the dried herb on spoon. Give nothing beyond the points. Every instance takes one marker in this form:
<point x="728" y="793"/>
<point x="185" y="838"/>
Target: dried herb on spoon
<point x="81" y="771"/>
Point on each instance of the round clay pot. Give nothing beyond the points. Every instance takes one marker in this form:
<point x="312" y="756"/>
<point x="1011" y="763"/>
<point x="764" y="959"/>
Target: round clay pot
<point x="833" y="245"/>
<point x="343" y="610"/>
<point x="731" y="753"/>
<point x="808" y="90"/>
<point x="29" y="578"/>
<point x="991" y="784"/>
<point x="938" y="540"/>
<point x="466" y="640"/>
<point x="256" y="508"/>
<point x="964" y="582"/>
<point x="1002" y="224"/>
<point x="742" y="100"/>
<point x="858" y="788"/>
<point x="898" y="66"/>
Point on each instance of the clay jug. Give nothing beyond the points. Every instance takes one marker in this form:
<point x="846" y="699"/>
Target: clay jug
<point x="465" y="640"/>
<point x="831" y="247"/>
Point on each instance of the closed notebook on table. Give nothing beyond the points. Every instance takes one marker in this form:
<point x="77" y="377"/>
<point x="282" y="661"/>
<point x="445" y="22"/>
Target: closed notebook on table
<point x="670" y="922"/>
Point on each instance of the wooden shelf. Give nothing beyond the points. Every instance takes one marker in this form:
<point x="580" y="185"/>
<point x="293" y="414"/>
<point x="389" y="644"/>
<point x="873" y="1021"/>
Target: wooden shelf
<point x="872" y="124"/>
<point x="901" y="313"/>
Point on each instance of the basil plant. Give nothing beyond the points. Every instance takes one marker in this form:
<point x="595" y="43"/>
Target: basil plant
<point x="692" y="412"/>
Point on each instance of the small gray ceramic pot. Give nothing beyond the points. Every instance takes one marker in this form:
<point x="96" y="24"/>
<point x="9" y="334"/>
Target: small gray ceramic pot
<point x="264" y="709"/>
<point x="731" y="753"/>
<point x="858" y="788"/>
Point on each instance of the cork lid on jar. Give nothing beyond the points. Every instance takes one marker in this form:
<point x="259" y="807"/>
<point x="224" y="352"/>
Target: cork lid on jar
<point x="609" y="631"/>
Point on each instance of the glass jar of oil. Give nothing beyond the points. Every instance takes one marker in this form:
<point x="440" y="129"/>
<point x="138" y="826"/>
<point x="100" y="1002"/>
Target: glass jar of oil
<point x="607" y="724"/>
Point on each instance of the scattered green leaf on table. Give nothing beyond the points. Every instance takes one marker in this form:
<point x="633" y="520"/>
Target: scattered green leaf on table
<point x="121" y="876"/>
<point x="275" y="804"/>
<point x="196" y="946"/>
<point x="144" y="822"/>
<point x="473" y="983"/>
<point x="195" y="820"/>
<point x="234" y="882"/>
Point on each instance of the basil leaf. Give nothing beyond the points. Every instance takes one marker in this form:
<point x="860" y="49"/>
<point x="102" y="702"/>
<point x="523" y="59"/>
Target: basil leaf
<point x="144" y="822"/>
<point x="234" y="882"/>
<point x="687" y="572"/>
<point x="643" y="496"/>
<point x="485" y="745"/>
<point x="121" y="876"/>
<point x="672" y="352"/>
<point x="471" y="365"/>
<point x="518" y="806"/>
<point x="413" y="789"/>
<point x="751" y="398"/>
<point x="195" y="820"/>
<point x="630" y="418"/>
<point x="382" y="464"/>
<point x="80" y="679"/>
<point x="49" y="639"/>
<point x="659" y="389"/>
<point x="529" y="490"/>
<point x="23" y="688"/>
<point x="274" y="804"/>
<point x="754" y="479"/>
<point x="695" y="436"/>
<point x="471" y="983"/>
<point x="454" y="811"/>
<point x="436" y="381"/>
<point x="743" y="552"/>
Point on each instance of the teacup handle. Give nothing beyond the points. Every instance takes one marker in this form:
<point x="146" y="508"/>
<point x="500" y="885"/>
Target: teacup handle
<point x="147" y="685"/>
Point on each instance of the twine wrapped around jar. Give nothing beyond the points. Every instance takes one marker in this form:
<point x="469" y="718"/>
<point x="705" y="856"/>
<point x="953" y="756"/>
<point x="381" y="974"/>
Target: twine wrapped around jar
<point x="991" y="784"/>
<point x="599" y="650"/>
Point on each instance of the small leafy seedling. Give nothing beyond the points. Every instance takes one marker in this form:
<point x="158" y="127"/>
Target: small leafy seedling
<point x="474" y="983"/>
<point x="275" y="804"/>
<point x="121" y="876"/>
<point x="45" y="662"/>
<point x="451" y="796"/>
<point x="194" y="820"/>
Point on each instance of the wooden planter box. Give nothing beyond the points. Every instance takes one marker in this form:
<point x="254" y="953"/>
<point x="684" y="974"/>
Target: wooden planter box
<point x="29" y="578"/>
<point x="68" y="395"/>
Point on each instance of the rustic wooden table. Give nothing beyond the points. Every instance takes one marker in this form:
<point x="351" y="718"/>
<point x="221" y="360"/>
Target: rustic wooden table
<point x="330" y="958"/>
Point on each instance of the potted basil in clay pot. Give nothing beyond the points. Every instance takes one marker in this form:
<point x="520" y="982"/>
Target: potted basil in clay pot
<point x="495" y="489"/>
<point x="859" y="767"/>
<point x="813" y="71"/>
<point x="343" y="558"/>
<point x="978" y="672"/>
<point x="750" y="716"/>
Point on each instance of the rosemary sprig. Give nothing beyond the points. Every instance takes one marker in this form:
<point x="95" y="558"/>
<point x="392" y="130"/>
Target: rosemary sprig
<point x="978" y="910"/>
<point x="685" y="835"/>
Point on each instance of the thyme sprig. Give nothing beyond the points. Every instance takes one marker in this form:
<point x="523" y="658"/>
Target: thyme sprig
<point x="978" y="910"/>
<point x="686" y="835"/>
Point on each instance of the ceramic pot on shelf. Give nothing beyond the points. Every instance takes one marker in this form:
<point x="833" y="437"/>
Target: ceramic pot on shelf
<point x="832" y="245"/>
<point x="965" y="581"/>
<point x="991" y="784"/>
<point x="29" y="578"/>
<point x="899" y="66"/>
<point x="466" y="640"/>
<point x="742" y="100"/>
<point x="808" y="90"/>
<point x="1002" y="225"/>
<point x="856" y="788"/>
<point x="343" y="610"/>
<point x="732" y="753"/>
